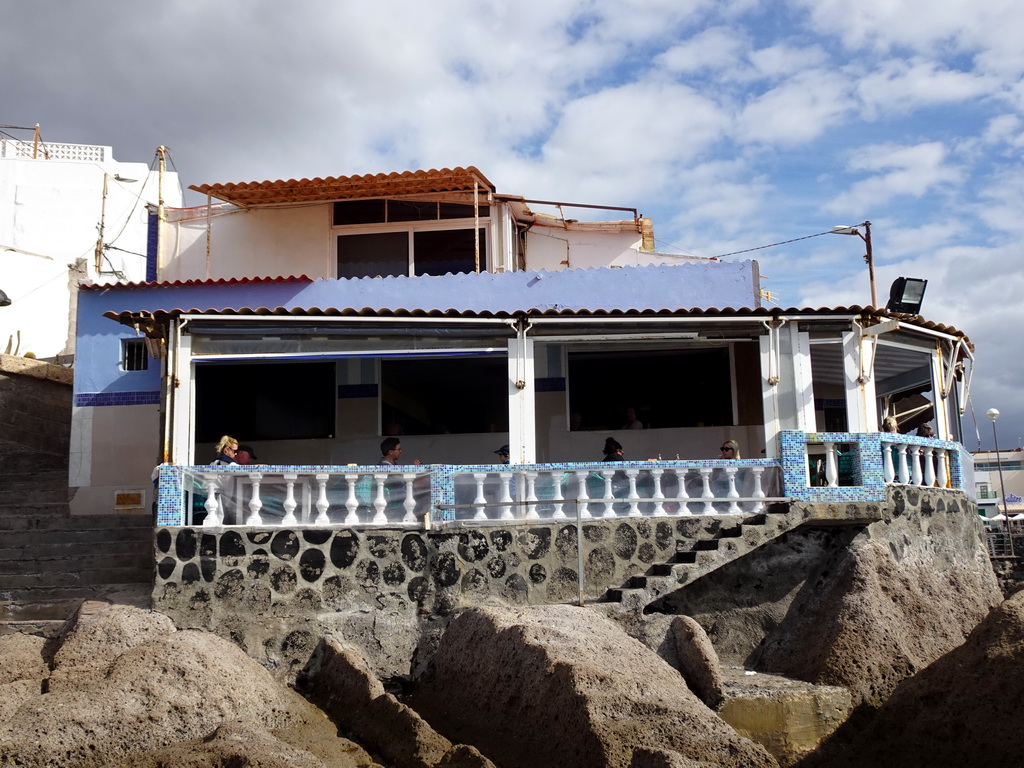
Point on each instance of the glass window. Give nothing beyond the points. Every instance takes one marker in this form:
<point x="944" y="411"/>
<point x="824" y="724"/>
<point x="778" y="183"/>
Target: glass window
<point x="439" y="252"/>
<point x="436" y="396"/>
<point x="359" y="212"/>
<point x="373" y="255"/>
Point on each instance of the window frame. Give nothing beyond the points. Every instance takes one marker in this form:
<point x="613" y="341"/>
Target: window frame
<point x="134" y="349"/>
<point x="483" y="223"/>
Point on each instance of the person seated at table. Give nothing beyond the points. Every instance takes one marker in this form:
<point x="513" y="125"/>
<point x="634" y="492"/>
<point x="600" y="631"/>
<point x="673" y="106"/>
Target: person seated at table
<point x="503" y="454"/>
<point x="925" y="430"/>
<point x="391" y="451"/>
<point x="245" y="454"/>
<point x="730" y="450"/>
<point x="889" y="424"/>
<point x="612" y="450"/>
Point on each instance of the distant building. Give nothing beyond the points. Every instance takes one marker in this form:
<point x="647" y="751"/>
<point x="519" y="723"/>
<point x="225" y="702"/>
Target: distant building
<point x="989" y="490"/>
<point x="68" y="213"/>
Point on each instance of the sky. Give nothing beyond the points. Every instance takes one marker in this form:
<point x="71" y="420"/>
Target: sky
<point x="733" y="124"/>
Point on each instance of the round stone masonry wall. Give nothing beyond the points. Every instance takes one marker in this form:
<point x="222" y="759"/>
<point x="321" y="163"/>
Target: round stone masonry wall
<point x="204" y="576"/>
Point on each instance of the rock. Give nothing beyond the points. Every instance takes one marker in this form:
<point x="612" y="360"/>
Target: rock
<point x="169" y="689"/>
<point x="338" y="680"/>
<point x="231" y="744"/>
<point x="698" y="661"/>
<point x="564" y="687"/>
<point x="957" y="712"/>
<point x="21" y="658"/>
<point x="664" y="758"/>
<point x="98" y="632"/>
<point x="464" y="756"/>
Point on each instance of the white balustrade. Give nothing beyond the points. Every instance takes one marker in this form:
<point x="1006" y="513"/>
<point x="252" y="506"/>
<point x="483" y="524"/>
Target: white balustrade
<point x="410" y="500"/>
<point x="658" y="495"/>
<point x="214" y="513"/>
<point x="289" y="500"/>
<point x="255" y="503"/>
<point x="322" y="504"/>
<point x="707" y="494"/>
<point x="352" y="501"/>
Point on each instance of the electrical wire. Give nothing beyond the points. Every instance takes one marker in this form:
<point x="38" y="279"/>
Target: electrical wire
<point x="771" y="245"/>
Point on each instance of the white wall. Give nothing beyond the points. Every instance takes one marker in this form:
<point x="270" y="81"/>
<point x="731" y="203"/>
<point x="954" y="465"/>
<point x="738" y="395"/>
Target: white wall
<point x="50" y="211"/>
<point x="272" y="242"/>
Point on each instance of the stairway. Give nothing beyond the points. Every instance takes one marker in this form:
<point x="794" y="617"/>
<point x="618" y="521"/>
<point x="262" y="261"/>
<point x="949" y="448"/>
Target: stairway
<point x="703" y="554"/>
<point x="50" y="561"/>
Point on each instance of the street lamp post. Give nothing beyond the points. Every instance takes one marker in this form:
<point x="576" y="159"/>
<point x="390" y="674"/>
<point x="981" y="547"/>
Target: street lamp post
<point x="868" y="255"/>
<point x="993" y="414"/>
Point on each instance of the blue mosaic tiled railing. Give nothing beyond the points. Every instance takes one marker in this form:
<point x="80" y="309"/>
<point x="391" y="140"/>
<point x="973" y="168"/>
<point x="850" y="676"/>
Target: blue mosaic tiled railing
<point x="855" y="471"/>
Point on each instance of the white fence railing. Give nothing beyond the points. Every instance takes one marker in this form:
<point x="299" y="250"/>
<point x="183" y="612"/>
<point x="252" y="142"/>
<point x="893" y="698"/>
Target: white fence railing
<point x="609" y="490"/>
<point x="239" y="496"/>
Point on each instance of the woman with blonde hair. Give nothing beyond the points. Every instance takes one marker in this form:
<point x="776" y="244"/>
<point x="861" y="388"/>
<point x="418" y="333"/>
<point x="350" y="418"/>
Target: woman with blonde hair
<point x="226" y="449"/>
<point x="730" y="450"/>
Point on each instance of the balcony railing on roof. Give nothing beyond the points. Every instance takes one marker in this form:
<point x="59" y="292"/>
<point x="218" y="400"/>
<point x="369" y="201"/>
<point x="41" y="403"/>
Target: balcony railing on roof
<point x="822" y="467"/>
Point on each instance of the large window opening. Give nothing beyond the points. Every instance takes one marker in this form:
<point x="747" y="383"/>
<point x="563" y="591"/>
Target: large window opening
<point x="681" y="388"/>
<point x="436" y="396"/>
<point x="425" y="252"/>
<point x="265" y="401"/>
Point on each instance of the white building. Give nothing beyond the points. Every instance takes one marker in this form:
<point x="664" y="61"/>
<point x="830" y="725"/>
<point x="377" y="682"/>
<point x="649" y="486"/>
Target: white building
<point x="989" y="488"/>
<point x="68" y="213"/>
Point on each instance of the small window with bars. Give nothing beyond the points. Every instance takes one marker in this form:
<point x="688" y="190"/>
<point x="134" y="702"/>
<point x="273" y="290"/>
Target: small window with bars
<point x="133" y="355"/>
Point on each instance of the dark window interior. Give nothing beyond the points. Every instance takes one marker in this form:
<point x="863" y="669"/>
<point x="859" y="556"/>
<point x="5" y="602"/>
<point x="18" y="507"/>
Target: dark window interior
<point x="439" y="252"/>
<point x="435" y="396"/>
<point x="264" y="401"/>
<point x="380" y="211"/>
<point x="686" y="388"/>
<point x="377" y="255"/>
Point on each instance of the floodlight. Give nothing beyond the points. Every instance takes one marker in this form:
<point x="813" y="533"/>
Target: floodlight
<point x="906" y="295"/>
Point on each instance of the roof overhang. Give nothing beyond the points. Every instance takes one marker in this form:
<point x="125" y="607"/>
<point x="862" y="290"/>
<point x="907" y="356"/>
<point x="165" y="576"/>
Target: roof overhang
<point x="453" y="183"/>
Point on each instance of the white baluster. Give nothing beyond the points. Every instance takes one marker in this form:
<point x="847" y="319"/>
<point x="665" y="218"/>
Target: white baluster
<point x="707" y="495"/>
<point x="941" y="459"/>
<point x="929" y="467"/>
<point x="351" y="500"/>
<point x="758" y="490"/>
<point x="633" y="496"/>
<point x="684" y="509"/>
<point x="609" y="498"/>
<point x="888" y="471"/>
<point x="915" y="473"/>
<point x="380" y="500"/>
<point x="831" y="465"/>
<point x="480" y="501"/>
<point x="255" y="503"/>
<point x="659" y="495"/>
<point x="321" y="502"/>
<point x="557" y="498"/>
<point x="581" y="492"/>
<point x="904" y="473"/>
<point x="214" y="513"/>
<point x="531" y="495"/>
<point x="733" y="494"/>
<point x="506" y="496"/>
<point x="289" y="500"/>
<point x="410" y="500"/>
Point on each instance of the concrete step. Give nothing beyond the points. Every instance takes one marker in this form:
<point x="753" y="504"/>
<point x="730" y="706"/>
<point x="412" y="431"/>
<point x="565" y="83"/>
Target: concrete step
<point x="49" y="519"/>
<point x="21" y="587"/>
<point x="119" y="556"/>
<point x="81" y="537"/>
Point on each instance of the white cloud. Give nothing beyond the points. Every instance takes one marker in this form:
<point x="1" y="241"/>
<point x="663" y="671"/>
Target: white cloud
<point x="905" y="85"/>
<point x="896" y="171"/>
<point x="798" y="110"/>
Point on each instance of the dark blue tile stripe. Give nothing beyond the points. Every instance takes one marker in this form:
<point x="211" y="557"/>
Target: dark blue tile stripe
<point x="116" y="398"/>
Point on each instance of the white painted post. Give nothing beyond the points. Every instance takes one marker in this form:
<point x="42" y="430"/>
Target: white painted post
<point x="707" y="495"/>
<point x="506" y="496"/>
<point x="733" y="494"/>
<point x="380" y="500"/>
<point x="351" y="501"/>
<point x="255" y="503"/>
<point x="609" y="498"/>
<point x="941" y="459"/>
<point x="904" y="473"/>
<point x="659" y="495"/>
<point x="581" y="493"/>
<point x="758" y="490"/>
<point x="410" y="501"/>
<point x="321" y="503"/>
<point x="634" y="497"/>
<point x="929" y="467"/>
<point x="831" y="465"/>
<point x="289" y="500"/>
<point x="214" y="513"/>
<point x="684" y="508"/>
<point x="559" y="500"/>
<point x="915" y="474"/>
<point x="888" y="471"/>
<point x="480" y="501"/>
<point x="531" y="495"/>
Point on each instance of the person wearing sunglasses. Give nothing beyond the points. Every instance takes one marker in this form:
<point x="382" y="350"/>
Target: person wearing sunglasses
<point x="730" y="450"/>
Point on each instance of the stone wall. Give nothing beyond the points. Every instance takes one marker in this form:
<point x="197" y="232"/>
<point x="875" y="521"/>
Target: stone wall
<point x="35" y="414"/>
<point x="384" y="589"/>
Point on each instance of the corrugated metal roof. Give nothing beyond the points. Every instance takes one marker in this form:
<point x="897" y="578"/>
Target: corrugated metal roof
<point x="406" y="183"/>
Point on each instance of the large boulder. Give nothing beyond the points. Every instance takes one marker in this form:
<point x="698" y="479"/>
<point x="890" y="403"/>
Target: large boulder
<point x="177" y="687"/>
<point x="957" y="712"/>
<point x="565" y="686"/>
